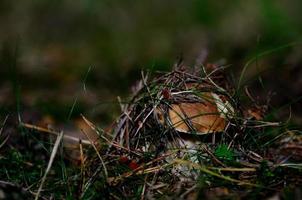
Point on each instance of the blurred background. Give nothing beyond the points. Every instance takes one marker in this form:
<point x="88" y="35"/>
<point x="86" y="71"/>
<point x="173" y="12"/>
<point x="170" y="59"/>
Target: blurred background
<point x="63" y="58"/>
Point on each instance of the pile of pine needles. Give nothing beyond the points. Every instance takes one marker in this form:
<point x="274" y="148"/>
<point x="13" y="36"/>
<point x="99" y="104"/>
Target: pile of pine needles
<point x="141" y="159"/>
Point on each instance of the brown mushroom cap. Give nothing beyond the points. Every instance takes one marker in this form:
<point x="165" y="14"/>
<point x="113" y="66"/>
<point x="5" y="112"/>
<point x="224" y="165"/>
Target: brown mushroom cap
<point x="208" y="116"/>
<point x="201" y="117"/>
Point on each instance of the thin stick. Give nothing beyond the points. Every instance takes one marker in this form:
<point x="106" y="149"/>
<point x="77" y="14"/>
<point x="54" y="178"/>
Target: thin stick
<point x="93" y="127"/>
<point x="4" y="184"/>
<point x="52" y="156"/>
<point x="207" y="171"/>
<point x="188" y="192"/>
<point x="144" y="189"/>
<point x="230" y="169"/>
<point x="98" y="154"/>
<point x="213" y="156"/>
<point x="1" y="130"/>
<point x="45" y="130"/>
<point x="82" y="165"/>
<point x="141" y="169"/>
<point x="3" y="124"/>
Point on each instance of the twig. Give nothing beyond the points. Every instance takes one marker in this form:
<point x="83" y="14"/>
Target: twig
<point x="188" y="192"/>
<point x="3" y="124"/>
<point x="141" y="169"/>
<point x="4" y="184"/>
<point x="213" y="156"/>
<point x="98" y="154"/>
<point x="144" y="188"/>
<point x="207" y="171"/>
<point x="53" y="153"/>
<point x="93" y="127"/>
<point x="230" y="169"/>
<point x="82" y="166"/>
<point x="1" y="130"/>
<point x="45" y="130"/>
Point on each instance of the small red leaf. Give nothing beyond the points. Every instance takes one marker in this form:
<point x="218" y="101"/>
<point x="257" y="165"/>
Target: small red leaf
<point x="133" y="165"/>
<point x="123" y="159"/>
<point x="166" y="94"/>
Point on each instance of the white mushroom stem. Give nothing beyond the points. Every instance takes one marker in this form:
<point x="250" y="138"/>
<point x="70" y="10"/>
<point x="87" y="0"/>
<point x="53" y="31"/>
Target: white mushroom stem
<point x="225" y="108"/>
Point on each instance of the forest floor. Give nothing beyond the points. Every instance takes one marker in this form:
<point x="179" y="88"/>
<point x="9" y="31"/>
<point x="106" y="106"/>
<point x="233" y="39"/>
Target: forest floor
<point x="256" y="155"/>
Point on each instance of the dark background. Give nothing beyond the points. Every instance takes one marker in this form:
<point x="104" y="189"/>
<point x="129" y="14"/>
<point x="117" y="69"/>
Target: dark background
<point x="51" y="50"/>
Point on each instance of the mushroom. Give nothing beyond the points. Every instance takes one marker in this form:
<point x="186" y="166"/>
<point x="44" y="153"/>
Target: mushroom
<point x="209" y="115"/>
<point x="200" y="118"/>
